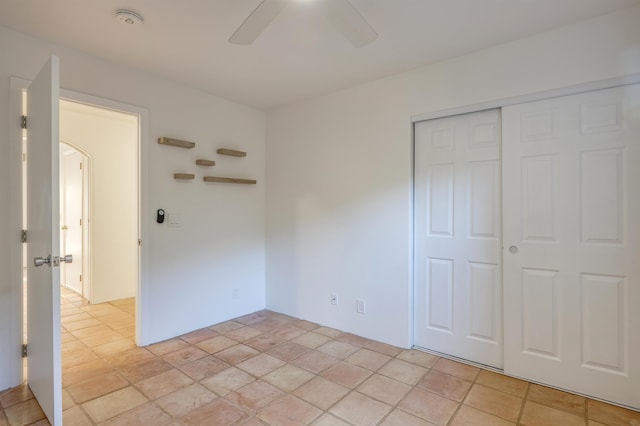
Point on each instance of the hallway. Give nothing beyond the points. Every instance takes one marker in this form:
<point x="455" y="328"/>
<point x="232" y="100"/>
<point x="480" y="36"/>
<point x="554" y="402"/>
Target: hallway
<point x="268" y="368"/>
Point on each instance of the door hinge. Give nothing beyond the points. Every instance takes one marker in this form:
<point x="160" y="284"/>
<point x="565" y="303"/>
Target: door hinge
<point x="23" y="121"/>
<point x="139" y="242"/>
<point x="24" y="350"/>
<point x="80" y="166"/>
<point x="80" y="277"/>
<point x="80" y="221"/>
<point x="23" y="235"/>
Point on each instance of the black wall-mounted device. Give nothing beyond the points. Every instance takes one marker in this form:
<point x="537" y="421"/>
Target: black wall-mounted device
<point x="160" y="216"/>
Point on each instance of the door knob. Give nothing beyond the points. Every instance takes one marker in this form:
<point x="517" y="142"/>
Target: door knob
<point x="53" y="261"/>
<point x="39" y="261"/>
<point x="513" y="249"/>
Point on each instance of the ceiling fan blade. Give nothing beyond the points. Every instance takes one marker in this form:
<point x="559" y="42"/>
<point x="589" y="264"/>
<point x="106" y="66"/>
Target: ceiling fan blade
<point x="349" y="22"/>
<point x="258" y="21"/>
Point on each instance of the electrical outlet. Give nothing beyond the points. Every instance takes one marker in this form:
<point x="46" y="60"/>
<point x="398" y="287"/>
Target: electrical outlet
<point x="334" y="298"/>
<point x="361" y="306"/>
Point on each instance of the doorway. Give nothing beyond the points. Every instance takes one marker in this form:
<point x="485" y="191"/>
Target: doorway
<point x="74" y="209"/>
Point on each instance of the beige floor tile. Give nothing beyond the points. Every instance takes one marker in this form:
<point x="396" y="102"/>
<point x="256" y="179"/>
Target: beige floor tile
<point x="216" y="344"/>
<point x="338" y="349"/>
<point x="236" y="354"/>
<point x="147" y="414"/>
<point x="458" y="369"/>
<point x="403" y="371"/>
<point x="243" y="333"/>
<point x="184" y="356"/>
<point x="145" y="369"/>
<point x="167" y="346"/>
<point x="368" y="359"/>
<point x="96" y="386"/>
<point x="77" y="325"/>
<point x="289" y="411"/>
<point x="24" y="413"/>
<point x="218" y="412"/>
<point x="288" y="377"/>
<point x="539" y="415"/>
<point x="84" y="371"/>
<point x="420" y="358"/>
<point x="469" y="416"/>
<point x="75" y="416"/>
<point x="185" y="400"/>
<point x="305" y="325"/>
<point x="612" y="415"/>
<point x="163" y="384"/>
<point x="260" y="365"/>
<point x="67" y="401"/>
<point x="311" y="340"/>
<point x="114" y="347"/>
<point x="66" y="319"/>
<point x="288" y="351"/>
<point x="353" y="339"/>
<point x="15" y="396"/>
<point x="573" y="404"/>
<point x="227" y="326"/>
<point x="494" y="402"/>
<point x="113" y="404"/>
<point x="402" y="418"/>
<point x="255" y="395"/>
<point x="315" y="361"/>
<point x="428" y="406"/>
<point x="198" y="336"/>
<point x="327" y="331"/>
<point x="347" y="375"/>
<point x="227" y="381"/>
<point x="503" y="383"/>
<point x="444" y="385"/>
<point x="204" y="367"/>
<point x="102" y="338"/>
<point x="263" y="342"/>
<point x="383" y="348"/>
<point x="268" y="325"/>
<point x="83" y="333"/>
<point x="129" y="357"/>
<point x="384" y="389"/>
<point x="328" y="420"/>
<point x="359" y="409"/>
<point x="321" y="392"/>
<point x="288" y="332"/>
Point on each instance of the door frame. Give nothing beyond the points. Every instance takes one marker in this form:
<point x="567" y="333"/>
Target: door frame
<point x="17" y="86"/>
<point x="86" y="220"/>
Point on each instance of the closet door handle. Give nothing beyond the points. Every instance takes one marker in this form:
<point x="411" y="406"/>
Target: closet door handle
<point x="513" y="249"/>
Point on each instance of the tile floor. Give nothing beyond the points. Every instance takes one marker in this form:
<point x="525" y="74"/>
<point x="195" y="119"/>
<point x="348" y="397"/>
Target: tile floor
<point x="271" y="369"/>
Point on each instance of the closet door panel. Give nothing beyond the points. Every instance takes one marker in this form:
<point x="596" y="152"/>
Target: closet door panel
<point x="571" y="222"/>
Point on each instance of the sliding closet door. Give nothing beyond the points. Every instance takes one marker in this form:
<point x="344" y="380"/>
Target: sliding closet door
<point x="571" y="185"/>
<point x="458" y="285"/>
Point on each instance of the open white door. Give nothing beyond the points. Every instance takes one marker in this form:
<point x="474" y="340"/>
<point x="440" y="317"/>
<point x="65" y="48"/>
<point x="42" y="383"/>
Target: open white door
<point x="43" y="245"/>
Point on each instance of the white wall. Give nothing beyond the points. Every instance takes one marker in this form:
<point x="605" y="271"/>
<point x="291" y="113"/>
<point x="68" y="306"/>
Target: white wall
<point x="194" y="269"/>
<point x="339" y="169"/>
<point x="110" y="139"/>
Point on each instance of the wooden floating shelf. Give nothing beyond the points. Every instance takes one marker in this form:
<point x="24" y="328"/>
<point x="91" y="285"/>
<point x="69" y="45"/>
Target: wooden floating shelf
<point x="231" y="152"/>
<point x="176" y="142"/>
<point x="229" y="180"/>
<point x="205" y="163"/>
<point x="184" y="176"/>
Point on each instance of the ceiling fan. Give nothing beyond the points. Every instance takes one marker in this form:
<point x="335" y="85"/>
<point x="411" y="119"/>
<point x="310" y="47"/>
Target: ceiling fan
<point x="340" y="13"/>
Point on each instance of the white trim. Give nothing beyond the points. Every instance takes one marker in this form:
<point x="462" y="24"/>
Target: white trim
<point x="16" y="376"/>
<point x="537" y="96"/>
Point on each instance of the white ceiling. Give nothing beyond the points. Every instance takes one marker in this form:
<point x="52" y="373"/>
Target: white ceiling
<point x="300" y="55"/>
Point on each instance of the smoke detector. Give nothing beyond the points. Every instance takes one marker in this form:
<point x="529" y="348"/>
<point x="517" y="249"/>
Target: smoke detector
<point x="127" y="17"/>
